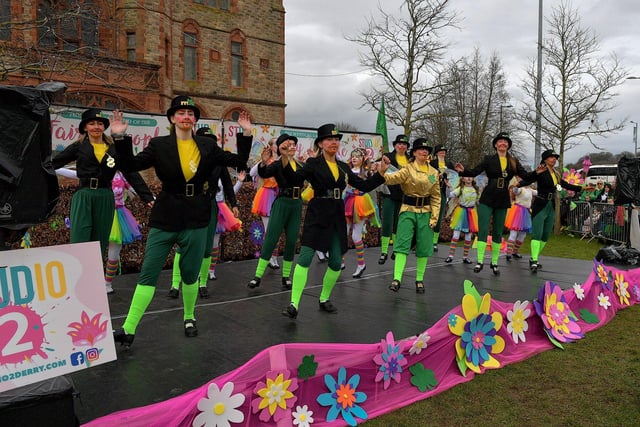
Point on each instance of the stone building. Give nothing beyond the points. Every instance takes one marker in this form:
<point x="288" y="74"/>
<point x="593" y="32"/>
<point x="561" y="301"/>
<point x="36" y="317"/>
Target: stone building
<point x="137" y="55"/>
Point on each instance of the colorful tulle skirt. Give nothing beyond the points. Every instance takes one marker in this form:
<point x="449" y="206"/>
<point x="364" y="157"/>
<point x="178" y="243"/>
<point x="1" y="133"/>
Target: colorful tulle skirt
<point x="518" y="218"/>
<point x="124" y="229"/>
<point x="464" y="219"/>
<point x="359" y="207"/>
<point x="226" y="220"/>
<point x="263" y="200"/>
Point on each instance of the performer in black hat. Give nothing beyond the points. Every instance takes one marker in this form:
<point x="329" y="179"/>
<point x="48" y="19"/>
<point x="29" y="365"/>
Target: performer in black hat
<point x="325" y="226"/>
<point x="286" y="211"/>
<point x="543" y="211"/>
<point x="442" y="164"/>
<point x="495" y="198"/>
<point x="182" y="211"/>
<point x="392" y="198"/>
<point x="420" y="205"/>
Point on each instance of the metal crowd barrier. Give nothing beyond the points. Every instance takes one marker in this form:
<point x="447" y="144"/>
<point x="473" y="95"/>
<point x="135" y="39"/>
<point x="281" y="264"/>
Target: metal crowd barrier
<point x="598" y="221"/>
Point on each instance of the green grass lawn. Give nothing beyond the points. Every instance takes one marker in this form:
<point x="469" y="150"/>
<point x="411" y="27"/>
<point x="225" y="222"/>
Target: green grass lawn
<point x="595" y="381"/>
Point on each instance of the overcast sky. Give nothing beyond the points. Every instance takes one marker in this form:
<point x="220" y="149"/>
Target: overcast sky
<point x="324" y="76"/>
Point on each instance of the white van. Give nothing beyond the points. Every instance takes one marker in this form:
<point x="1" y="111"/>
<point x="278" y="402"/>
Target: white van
<point x="604" y="173"/>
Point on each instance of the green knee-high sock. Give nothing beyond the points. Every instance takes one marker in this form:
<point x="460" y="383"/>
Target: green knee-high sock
<point x="393" y="238"/>
<point x="495" y="253"/>
<point x="262" y="266"/>
<point x="436" y="236"/>
<point x="328" y="283"/>
<point x="535" y="249"/>
<point x="384" y="244"/>
<point x="204" y="270"/>
<point x="421" y="267"/>
<point x="286" y="268"/>
<point x="398" y="266"/>
<point x="189" y="297"/>
<point x="481" y="248"/>
<point x="142" y="297"/>
<point x="299" y="282"/>
<point x="175" y="275"/>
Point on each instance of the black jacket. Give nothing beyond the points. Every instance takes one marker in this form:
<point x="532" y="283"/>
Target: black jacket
<point x="546" y="189"/>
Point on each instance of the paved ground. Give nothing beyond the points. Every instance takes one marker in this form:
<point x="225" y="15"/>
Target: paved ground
<point x="235" y="323"/>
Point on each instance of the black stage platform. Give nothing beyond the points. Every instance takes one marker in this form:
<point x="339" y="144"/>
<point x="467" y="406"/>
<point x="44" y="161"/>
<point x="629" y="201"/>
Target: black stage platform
<point x="235" y="323"/>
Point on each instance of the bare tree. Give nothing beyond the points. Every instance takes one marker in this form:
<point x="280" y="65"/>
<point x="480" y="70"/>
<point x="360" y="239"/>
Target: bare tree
<point x="578" y="85"/>
<point x="405" y="53"/>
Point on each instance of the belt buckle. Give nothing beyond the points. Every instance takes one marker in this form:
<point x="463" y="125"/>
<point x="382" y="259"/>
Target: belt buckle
<point x="295" y="192"/>
<point x="500" y="183"/>
<point x="419" y="201"/>
<point x="550" y="196"/>
<point x="190" y="190"/>
<point x="337" y="194"/>
<point x="93" y="183"/>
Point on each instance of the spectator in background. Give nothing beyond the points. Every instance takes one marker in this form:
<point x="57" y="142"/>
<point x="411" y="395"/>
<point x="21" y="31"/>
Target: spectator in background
<point x="441" y="164"/>
<point x="589" y="194"/>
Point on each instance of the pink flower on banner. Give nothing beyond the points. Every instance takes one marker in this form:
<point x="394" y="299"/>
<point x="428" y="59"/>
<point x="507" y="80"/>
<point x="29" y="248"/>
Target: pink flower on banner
<point x="390" y="361"/>
<point x="276" y="397"/>
<point x="558" y="320"/>
<point x="88" y="330"/>
<point x="572" y="177"/>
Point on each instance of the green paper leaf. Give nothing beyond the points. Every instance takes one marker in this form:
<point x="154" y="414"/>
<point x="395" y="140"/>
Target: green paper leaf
<point x="307" y="368"/>
<point x="423" y="379"/>
<point x="554" y="341"/>
<point x="470" y="289"/>
<point x="462" y="366"/>
<point x="588" y="316"/>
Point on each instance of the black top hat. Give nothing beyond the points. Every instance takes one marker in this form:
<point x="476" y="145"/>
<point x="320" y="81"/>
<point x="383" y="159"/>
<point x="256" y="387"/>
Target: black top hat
<point x="327" y="131"/>
<point x="92" y="114"/>
<point x="439" y="147"/>
<point x="206" y="131"/>
<point x="284" y="137"/>
<point x="549" y="153"/>
<point x="420" y="143"/>
<point x="502" y="135"/>
<point x="183" y="103"/>
<point x="402" y="139"/>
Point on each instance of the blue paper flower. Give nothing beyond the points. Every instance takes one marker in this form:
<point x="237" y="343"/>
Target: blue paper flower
<point x="343" y="398"/>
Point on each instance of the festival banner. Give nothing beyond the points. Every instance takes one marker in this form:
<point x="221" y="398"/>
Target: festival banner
<point x="54" y="313"/>
<point x="143" y="127"/>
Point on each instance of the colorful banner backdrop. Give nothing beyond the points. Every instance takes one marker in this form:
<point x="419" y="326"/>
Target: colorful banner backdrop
<point x="143" y="127"/>
<point x="54" y="313"/>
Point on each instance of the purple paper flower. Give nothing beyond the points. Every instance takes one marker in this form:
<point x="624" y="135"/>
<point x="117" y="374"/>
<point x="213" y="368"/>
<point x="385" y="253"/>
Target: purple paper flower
<point x="390" y="360"/>
<point x="256" y="233"/>
<point x="602" y="274"/>
<point x="558" y="320"/>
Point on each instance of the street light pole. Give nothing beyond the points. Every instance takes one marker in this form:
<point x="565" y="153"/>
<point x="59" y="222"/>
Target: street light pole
<point x="538" y="141"/>
<point x="501" y="108"/>
<point x="635" y="138"/>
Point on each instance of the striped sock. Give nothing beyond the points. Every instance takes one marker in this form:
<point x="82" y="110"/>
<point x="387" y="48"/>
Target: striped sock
<point x="215" y="253"/>
<point x="453" y="247"/>
<point x="467" y="247"/>
<point x="110" y="271"/>
<point x="516" y="247"/>
<point x="510" y="247"/>
<point x="359" y="251"/>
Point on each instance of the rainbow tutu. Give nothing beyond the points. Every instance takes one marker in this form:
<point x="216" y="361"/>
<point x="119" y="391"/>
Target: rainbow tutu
<point x="124" y="229"/>
<point x="518" y="218"/>
<point x="263" y="200"/>
<point x="464" y="219"/>
<point x="359" y="207"/>
<point x="226" y="220"/>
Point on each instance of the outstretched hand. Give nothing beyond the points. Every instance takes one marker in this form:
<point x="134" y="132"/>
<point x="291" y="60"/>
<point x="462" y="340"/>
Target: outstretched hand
<point x="458" y="167"/>
<point x="245" y="122"/>
<point x="118" y="124"/>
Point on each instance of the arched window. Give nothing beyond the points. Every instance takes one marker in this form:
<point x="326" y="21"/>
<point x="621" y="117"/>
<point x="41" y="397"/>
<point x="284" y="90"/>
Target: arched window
<point x="70" y="25"/>
<point x="238" y="47"/>
<point x="190" y="36"/>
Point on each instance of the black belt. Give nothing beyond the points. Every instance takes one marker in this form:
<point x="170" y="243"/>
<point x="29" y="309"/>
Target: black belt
<point x="547" y="196"/>
<point x="189" y="190"/>
<point x="94" y="183"/>
<point x="292" y="192"/>
<point x="332" y="193"/>
<point x="417" y="201"/>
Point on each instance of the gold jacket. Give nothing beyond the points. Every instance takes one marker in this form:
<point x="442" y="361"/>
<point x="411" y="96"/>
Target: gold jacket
<point x="416" y="183"/>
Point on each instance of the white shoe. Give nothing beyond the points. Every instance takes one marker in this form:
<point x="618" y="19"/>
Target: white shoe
<point x="273" y="263"/>
<point x="342" y="266"/>
<point x="109" y="288"/>
<point x="359" y="271"/>
<point x="212" y="275"/>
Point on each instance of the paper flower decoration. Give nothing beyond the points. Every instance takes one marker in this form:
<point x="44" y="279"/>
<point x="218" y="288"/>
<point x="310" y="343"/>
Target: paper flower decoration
<point x="477" y="330"/>
<point x="517" y="318"/>
<point x="88" y="330"/>
<point x="343" y="398"/>
<point x="603" y="301"/>
<point x="390" y="361"/>
<point x="602" y="274"/>
<point x="579" y="291"/>
<point x="622" y="288"/>
<point x="302" y="416"/>
<point x="276" y="396"/>
<point x="420" y="343"/>
<point x="636" y="292"/>
<point x="572" y="177"/>
<point x="558" y="320"/>
<point x="256" y="232"/>
<point x="219" y="407"/>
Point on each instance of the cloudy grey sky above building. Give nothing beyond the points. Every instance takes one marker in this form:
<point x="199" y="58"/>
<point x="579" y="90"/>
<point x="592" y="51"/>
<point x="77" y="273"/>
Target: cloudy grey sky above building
<point x="324" y="76"/>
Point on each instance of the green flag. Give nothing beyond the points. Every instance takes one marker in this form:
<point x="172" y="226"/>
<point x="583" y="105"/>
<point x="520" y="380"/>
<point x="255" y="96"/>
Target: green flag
<point x="381" y="127"/>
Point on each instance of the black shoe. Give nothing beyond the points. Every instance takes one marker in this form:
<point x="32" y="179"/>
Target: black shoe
<point x="395" y="285"/>
<point x="328" y="307"/>
<point x="467" y="261"/>
<point x="478" y="268"/>
<point x="190" y="329"/>
<point x="203" y="292"/>
<point x="533" y="266"/>
<point x="448" y="259"/>
<point x="173" y="293"/>
<point x="508" y="257"/>
<point x="286" y="283"/>
<point x="254" y="283"/>
<point x="435" y="248"/>
<point x="419" y="287"/>
<point x="393" y="256"/>
<point x="382" y="259"/>
<point x="516" y="255"/>
<point x="125" y="339"/>
<point x="494" y="269"/>
<point x="290" y="311"/>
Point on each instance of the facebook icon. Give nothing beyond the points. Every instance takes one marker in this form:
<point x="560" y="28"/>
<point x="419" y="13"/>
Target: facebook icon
<point x="77" y="358"/>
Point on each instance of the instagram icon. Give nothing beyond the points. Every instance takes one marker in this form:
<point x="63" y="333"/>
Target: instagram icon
<point x="92" y="354"/>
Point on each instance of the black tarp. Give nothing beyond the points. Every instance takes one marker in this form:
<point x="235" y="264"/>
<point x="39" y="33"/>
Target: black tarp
<point x="628" y="181"/>
<point x="28" y="184"/>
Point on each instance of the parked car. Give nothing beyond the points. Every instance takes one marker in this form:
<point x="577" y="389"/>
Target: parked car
<point x="604" y="173"/>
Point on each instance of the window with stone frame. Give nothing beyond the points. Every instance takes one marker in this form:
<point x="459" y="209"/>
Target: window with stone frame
<point x="69" y="25"/>
<point x="5" y="20"/>
<point x="190" y="56"/>
<point x="220" y="4"/>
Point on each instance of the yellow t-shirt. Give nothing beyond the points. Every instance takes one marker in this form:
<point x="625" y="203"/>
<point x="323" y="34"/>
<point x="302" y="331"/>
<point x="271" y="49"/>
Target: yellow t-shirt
<point x="189" y="157"/>
<point x="99" y="150"/>
<point x="334" y="169"/>
<point x="293" y="164"/>
<point x="402" y="160"/>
